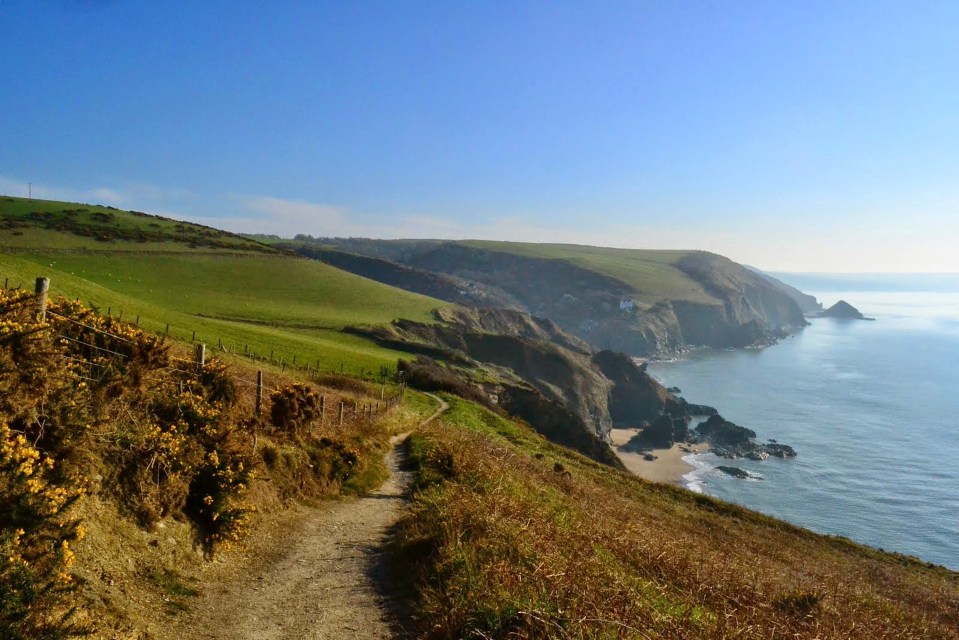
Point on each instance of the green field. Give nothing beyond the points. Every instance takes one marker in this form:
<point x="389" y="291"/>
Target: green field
<point x="651" y="273"/>
<point x="236" y="295"/>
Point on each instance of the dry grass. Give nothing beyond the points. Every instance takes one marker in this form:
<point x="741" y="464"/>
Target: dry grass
<point x="514" y="537"/>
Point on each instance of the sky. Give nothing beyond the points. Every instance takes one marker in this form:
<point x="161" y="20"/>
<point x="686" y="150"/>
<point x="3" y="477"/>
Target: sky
<point x="792" y="136"/>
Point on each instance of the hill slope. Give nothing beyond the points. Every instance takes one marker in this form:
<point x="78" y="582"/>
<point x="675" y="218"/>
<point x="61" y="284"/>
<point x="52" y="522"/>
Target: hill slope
<point x="510" y="536"/>
<point x="636" y="301"/>
<point x="212" y="285"/>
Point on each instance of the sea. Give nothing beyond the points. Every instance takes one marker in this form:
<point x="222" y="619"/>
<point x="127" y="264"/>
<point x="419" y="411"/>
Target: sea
<point x="871" y="408"/>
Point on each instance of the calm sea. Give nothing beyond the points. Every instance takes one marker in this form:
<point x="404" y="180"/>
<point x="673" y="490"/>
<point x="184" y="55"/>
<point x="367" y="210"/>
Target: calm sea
<point x="871" y="408"/>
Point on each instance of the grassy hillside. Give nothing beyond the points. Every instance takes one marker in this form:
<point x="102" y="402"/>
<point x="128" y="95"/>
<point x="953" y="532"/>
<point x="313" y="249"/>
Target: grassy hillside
<point x="223" y="287"/>
<point x="50" y="224"/>
<point x="511" y="536"/>
<point x="652" y="274"/>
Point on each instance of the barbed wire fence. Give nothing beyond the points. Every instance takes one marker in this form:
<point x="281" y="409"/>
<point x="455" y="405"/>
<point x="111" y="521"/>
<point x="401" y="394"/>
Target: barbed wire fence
<point x="95" y="363"/>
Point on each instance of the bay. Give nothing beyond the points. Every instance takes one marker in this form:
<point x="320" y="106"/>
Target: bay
<point x="871" y="408"/>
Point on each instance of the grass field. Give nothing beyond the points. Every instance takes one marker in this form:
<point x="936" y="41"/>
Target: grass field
<point x="224" y="288"/>
<point x="652" y="274"/>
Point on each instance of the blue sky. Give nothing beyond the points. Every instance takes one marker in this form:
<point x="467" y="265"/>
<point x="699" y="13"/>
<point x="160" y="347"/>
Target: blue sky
<point x="795" y="136"/>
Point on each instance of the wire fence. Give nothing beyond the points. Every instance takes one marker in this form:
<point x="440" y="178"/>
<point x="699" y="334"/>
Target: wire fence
<point x="90" y="362"/>
<point x="314" y="368"/>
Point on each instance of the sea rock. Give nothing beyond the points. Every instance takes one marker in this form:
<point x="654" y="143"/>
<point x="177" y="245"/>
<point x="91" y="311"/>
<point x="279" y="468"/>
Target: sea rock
<point x="719" y="431"/>
<point x="700" y="409"/>
<point x="735" y="472"/>
<point x="779" y="450"/>
<point x="649" y="457"/>
<point x="844" y="311"/>
<point x="731" y="441"/>
<point x="660" y="433"/>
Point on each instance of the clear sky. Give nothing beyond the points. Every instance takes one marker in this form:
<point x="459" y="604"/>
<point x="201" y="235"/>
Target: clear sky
<point x="794" y="136"/>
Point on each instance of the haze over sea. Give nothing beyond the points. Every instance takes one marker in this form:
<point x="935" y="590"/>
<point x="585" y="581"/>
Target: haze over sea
<point x="870" y="407"/>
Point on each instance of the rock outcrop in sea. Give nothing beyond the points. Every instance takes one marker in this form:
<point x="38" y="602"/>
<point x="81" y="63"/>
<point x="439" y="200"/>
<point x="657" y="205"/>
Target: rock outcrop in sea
<point x="729" y="440"/>
<point x="843" y="311"/>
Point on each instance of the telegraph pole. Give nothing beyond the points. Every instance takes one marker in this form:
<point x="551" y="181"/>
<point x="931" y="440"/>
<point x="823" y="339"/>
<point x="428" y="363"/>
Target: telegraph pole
<point x="30" y="191"/>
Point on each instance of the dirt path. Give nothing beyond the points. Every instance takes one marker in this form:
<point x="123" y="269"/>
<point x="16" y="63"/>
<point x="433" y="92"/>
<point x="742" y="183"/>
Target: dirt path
<point x="316" y="574"/>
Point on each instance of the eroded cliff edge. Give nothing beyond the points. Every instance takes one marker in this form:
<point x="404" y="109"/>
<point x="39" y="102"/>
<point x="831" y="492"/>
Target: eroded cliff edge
<point x="707" y="300"/>
<point x="529" y="367"/>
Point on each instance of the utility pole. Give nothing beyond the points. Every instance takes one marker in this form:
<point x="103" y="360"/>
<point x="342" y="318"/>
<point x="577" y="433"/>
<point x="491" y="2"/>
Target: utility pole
<point x="30" y="191"/>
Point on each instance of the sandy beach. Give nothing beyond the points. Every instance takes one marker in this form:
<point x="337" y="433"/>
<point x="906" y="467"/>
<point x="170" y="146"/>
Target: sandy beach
<point x="668" y="465"/>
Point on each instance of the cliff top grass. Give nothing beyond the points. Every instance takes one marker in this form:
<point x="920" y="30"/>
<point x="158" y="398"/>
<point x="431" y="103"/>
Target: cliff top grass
<point x="512" y="536"/>
<point x="653" y="274"/>
<point x="225" y="288"/>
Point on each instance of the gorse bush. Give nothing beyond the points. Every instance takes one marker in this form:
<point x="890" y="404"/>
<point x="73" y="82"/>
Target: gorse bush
<point x="92" y="405"/>
<point x="43" y="420"/>
<point x="295" y="408"/>
<point x="35" y="536"/>
<point x="81" y="392"/>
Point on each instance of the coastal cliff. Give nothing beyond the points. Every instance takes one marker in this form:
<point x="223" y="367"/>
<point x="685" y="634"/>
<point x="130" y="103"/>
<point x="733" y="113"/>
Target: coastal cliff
<point x="641" y="303"/>
<point x="532" y="369"/>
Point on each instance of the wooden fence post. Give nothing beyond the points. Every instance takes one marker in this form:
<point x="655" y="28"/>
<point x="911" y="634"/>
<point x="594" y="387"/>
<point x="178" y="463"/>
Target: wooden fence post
<point x="167" y="328"/>
<point x="200" y="352"/>
<point x="42" y="287"/>
<point x="341" y="413"/>
<point x="138" y="319"/>
<point x="193" y="337"/>
<point x="259" y="391"/>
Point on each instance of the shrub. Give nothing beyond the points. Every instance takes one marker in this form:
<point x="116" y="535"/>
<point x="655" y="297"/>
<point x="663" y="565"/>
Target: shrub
<point x="294" y="408"/>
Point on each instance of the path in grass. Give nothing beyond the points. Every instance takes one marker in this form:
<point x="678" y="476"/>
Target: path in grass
<point x="315" y="573"/>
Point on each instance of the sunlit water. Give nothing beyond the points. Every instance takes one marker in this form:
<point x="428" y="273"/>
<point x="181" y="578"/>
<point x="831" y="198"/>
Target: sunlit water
<point x="871" y="408"/>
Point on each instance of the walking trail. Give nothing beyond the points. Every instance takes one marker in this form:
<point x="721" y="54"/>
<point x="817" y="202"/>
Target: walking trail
<point x="315" y="574"/>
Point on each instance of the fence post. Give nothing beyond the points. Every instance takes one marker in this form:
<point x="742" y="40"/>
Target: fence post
<point x="168" y="328"/>
<point x="138" y="319"/>
<point x="341" y="413"/>
<point x="322" y="409"/>
<point x="200" y="352"/>
<point x="42" y="287"/>
<point x="259" y="391"/>
<point x="193" y="337"/>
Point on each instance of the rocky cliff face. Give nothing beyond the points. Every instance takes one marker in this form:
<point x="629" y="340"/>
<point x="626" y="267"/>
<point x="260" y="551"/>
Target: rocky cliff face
<point x="741" y="308"/>
<point x="559" y="384"/>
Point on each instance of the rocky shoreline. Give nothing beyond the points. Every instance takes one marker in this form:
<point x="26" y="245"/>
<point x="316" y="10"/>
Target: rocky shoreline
<point x="715" y="434"/>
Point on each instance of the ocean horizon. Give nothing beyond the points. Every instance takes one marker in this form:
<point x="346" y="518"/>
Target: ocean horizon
<point x="869" y="407"/>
